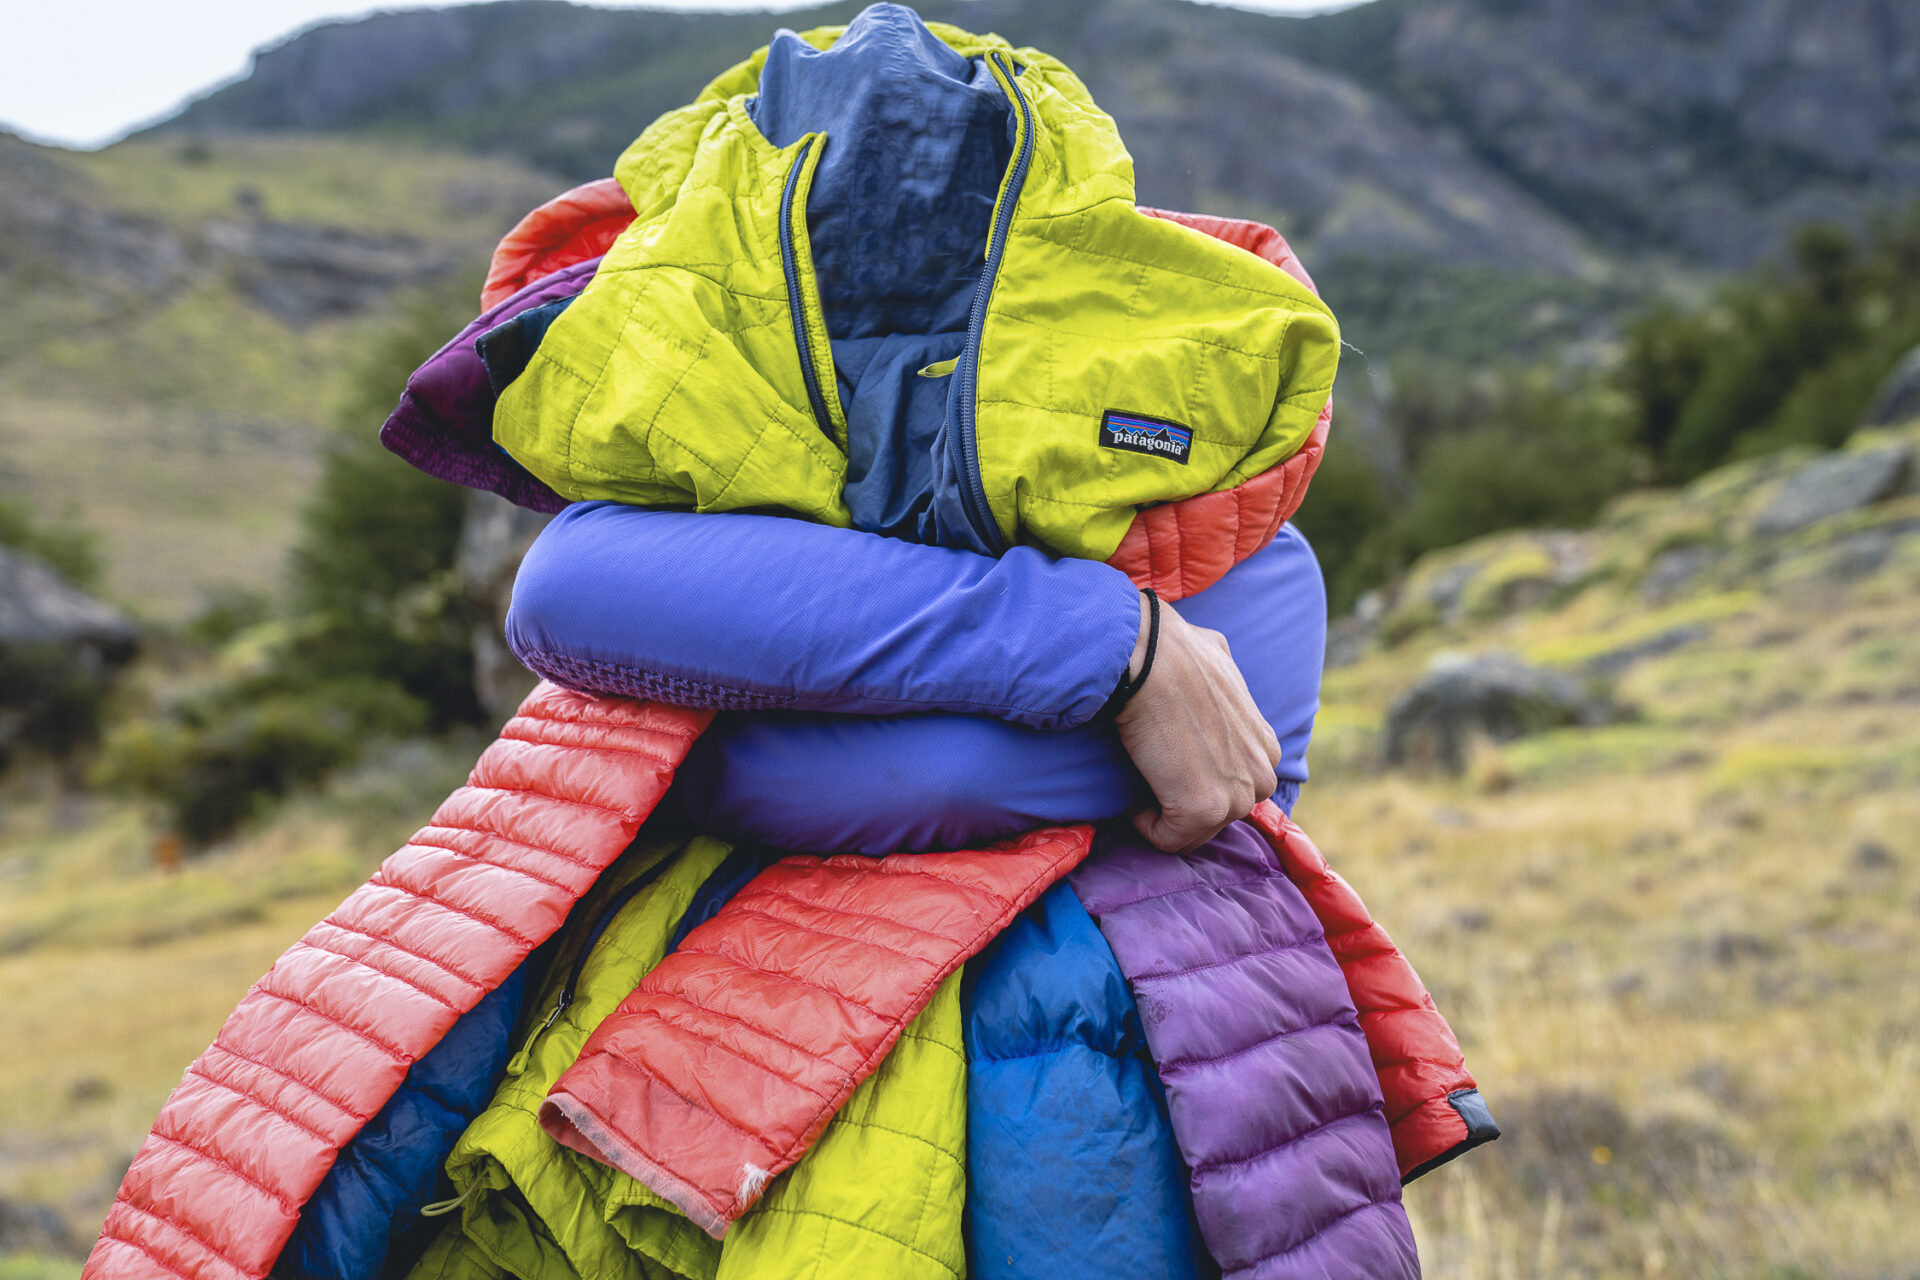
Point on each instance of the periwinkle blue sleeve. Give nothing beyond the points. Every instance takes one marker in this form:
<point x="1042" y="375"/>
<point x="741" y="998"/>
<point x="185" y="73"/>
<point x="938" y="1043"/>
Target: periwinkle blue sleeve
<point x="750" y="612"/>
<point x="1272" y="608"/>
<point x="862" y="784"/>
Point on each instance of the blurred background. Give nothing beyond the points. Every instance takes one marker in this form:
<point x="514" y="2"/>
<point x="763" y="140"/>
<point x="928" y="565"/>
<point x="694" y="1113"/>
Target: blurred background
<point x="1621" y="522"/>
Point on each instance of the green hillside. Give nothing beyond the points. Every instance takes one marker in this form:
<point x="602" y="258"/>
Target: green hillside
<point x="186" y="315"/>
<point x="1678" y="947"/>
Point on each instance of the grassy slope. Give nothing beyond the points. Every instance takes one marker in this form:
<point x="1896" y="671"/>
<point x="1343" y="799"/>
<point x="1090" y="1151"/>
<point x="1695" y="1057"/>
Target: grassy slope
<point x="184" y="430"/>
<point x="1687" y="985"/>
<point x="118" y="974"/>
<point x="1680" y="951"/>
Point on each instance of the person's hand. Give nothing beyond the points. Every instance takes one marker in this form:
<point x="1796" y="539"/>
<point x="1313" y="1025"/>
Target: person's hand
<point x="1195" y="735"/>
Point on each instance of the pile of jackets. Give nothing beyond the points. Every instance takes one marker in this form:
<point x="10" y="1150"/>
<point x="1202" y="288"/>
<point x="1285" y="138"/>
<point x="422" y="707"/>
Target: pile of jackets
<point x="598" y="1017"/>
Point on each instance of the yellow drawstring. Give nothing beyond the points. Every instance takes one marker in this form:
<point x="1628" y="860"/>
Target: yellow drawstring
<point x="458" y="1202"/>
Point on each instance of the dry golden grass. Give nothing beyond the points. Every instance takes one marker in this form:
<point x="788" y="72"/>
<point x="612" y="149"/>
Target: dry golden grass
<point x="1680" y="951"/>
<point x="114" y="973"/>
<point x="1683" y="953"/>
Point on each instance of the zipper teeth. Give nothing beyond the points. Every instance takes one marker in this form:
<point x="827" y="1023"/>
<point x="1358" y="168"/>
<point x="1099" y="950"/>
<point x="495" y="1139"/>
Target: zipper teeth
<point x="607" y="913"/>
<point x="969" y="367"/>
<point x="792" y="269"/>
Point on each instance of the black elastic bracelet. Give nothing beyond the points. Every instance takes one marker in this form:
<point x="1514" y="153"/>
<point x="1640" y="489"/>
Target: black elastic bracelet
<point x="1124" y="691"/>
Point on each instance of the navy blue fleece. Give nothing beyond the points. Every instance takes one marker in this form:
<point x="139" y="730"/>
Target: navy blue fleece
<point x="917" y="138"/>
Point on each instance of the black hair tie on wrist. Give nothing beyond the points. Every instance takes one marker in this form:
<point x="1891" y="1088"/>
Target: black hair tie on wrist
<point x="1124" y="691"/>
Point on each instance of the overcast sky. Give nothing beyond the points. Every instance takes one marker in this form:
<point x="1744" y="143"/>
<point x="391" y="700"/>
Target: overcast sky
<point x="83" y="72"/>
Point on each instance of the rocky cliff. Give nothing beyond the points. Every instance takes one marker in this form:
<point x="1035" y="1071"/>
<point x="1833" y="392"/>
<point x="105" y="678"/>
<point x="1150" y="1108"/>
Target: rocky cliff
<point x="1513" y="133"/>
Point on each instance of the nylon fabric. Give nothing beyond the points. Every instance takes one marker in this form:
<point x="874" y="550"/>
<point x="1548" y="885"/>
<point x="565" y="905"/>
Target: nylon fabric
<point x="1074" y="1171"/>
<point x="729" y="1059"/>
<point x="443" y="424"/>
<point x="945" y="781"/>
<point x="570" y="228"/>
<point x="530" y="1207"/>
<point x="322" y="1042"/>
<point x="880" y="1192"/>
<point x="390" y="1169"/>
<point x="1270" y="1088"/>
<point x="1418" y="1060"/>
<point x="688" y="327"/>
<point x="817" y="619"/>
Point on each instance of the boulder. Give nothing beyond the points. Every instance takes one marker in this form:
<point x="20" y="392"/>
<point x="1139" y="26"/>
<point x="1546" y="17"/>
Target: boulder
<point x="59" y="650"/>
<point x="1674" y="571"/>
<point x="493" y="539"/>
<point x="1834" y="485"/>
<point x="35" y="1230"/>
<point x="39" y="607"/>
<point x="1431" y="726"/>
<point x="1898" y="399"/>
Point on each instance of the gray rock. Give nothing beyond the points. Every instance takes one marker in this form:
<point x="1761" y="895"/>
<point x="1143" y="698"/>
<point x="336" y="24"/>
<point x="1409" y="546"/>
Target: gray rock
<point x="36" y="1229"/>
<point x="1496" y="695"/>
<point x="1674" y="570"/>
<point x="1617" y="660"/>
<point x="1348" y="639"/>
<point x="1858" y="555"/>
<point x="59" y="651"/>
<point x="1871" y="855"/>
<point x="1898" y="398"/>
<point x="39" y="607"/>
<point x="300" y="274"/>
<point x="493" y="540"/>
<point x="1834" y="485"/>
<point x="1583" y="104"/>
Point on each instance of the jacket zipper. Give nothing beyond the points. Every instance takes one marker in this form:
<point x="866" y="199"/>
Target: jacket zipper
<point x="607" y="913"/>
<point x="967" y="372"/>
<point x="790" y="264"/>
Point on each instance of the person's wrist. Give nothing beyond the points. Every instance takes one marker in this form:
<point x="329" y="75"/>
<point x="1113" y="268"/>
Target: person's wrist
<point x="1137" y="659"/>
<point x="1140" y="661"/>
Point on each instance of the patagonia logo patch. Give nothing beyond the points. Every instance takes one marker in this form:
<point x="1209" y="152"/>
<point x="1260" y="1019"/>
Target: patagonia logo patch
<point x="1138" y="433"/>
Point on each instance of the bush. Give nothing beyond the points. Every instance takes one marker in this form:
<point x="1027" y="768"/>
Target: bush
<point x="220" y="761"/>
<point x="373" y="642"/>
<point x="51" y="701"/>
<point x="1537" y="455"/>
<point x="1789" y="355"/>
<point x="374" y="583"/>
<point x="73" y="553"/>
<point x="1510" y="448"/>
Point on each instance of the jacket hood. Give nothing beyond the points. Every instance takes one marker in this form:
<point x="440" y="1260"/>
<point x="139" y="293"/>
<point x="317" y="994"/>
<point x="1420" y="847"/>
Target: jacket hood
<point x="892" y="276"/>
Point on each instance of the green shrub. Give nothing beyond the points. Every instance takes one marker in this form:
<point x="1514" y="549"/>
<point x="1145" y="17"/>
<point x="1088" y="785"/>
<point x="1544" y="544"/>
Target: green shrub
<point x="220" y="760"/>
<point x="52" y="700"/>
<point x="73" y="553"/>
<point x="1507" y="449"/>
<point x="373" y="574"/>
<point x="1347" y="516"/>
<point x="1790" y="354"/>
<point x="373" y="641"/>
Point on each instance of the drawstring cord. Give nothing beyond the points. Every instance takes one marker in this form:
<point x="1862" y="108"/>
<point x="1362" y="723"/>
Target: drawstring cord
<point x="458" y="1202"/>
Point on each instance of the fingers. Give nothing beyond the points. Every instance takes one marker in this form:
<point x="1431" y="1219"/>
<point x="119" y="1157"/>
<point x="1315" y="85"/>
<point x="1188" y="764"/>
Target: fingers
<point x="1184" y="829"/>
<point x="1198" y="739"/>
<point x="1170" y="836"/>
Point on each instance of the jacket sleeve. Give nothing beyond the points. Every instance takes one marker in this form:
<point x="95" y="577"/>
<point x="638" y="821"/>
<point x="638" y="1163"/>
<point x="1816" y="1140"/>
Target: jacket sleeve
<point x="749" y="612"/>
<point x="876" y="784"/>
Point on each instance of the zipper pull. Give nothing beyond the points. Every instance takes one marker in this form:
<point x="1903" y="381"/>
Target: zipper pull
<point x="518" y="1063"/>
<point x="941" y="369"/>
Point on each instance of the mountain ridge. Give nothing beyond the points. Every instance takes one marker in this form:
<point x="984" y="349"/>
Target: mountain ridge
<point x="1527" y="135"/>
